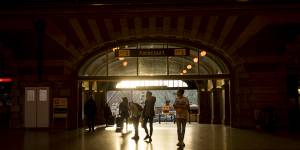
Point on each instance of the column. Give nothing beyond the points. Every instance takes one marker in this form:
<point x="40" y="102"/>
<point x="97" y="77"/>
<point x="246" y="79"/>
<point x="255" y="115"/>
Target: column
<point x="204" y="106"/>
<point x="204" y="113"/>
<point x="217" y="99"/>
<point x="227" y="103"/>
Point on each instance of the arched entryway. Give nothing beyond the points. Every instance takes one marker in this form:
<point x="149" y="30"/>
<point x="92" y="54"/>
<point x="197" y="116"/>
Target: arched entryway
<point x="205" y="71"/>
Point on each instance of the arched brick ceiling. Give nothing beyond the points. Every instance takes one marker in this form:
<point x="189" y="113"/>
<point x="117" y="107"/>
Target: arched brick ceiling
<point x="74" y="32"/>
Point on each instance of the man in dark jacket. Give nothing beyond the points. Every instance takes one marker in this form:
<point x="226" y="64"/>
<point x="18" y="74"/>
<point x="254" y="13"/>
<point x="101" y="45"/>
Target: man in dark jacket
<point x="90" y="110"/>
<point x="148" y="114"/>
<point x="124" y="111"/>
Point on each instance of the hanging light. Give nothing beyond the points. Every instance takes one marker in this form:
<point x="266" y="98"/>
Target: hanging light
<point x="189" y="66"/>
<point x="184" y="71"/>
<point x="115" y="48"/>
<point x="195" y="59"/>
<point x="125" y="63"/>
<point x="181" y="73"/>
<point x="203" y="53"/>
<point x="121" y="58"/>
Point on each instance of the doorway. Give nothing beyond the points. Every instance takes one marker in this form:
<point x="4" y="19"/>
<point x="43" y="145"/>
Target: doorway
<point x="36" y="107"/>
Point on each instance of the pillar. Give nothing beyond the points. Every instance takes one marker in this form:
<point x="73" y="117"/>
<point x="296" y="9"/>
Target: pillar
<point x="227" y="118"/>
<point x="217" y="101"/>
<point x="204" y="106"/>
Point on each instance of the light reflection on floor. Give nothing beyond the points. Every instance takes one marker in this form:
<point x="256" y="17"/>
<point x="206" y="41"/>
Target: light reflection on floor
<point x="198" y="137"/>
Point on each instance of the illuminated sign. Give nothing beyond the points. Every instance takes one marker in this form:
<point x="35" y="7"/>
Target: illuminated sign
<point x="152" y="52"/>
<point x="6" y="80"/>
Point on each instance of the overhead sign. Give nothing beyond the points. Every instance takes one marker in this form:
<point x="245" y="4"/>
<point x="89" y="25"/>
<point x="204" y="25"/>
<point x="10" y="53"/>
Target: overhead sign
<point x="152" y="52"/>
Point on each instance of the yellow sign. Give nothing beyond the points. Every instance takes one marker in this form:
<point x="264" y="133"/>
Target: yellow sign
<point x="124" y="53"/>
<point x="60" y="102"/>
<point x="180" y="52"/>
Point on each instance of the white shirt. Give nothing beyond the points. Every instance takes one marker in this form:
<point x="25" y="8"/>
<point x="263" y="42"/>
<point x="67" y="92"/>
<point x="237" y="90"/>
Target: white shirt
<point x="181" y="106"/>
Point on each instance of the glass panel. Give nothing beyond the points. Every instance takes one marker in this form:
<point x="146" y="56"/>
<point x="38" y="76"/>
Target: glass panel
<point x="114" y="98"/>
<point x="97" y="67"/>
<point x="30" y="96"/>
<point x="121" y="67"/>
<point x="149" y="66"/>
<point x="177" y="65"/>
<point x="203" y="70"/>
<point x="152" y="45"/>
<point x="43" y="95"/>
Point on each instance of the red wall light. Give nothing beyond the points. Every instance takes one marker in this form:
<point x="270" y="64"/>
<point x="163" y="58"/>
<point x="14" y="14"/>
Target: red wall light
<point x="6" y="79"/>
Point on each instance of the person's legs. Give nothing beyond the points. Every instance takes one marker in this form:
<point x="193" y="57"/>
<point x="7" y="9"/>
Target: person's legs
<point x="136" y="128"/>
<point x="89" y="123"/>
<point x="93" y="124"/>
<point x="122" y="122"/>
<point x="126" y="118"/>
<point x="145" y="127"/>
<point x="178" y="121"/>
<point x="183" y="123"/>
<point x="151" y="126"/>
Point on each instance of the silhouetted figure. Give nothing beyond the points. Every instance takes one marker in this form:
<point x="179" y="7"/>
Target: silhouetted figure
<point x="90" y="110"/>
<point x="4" y="114"/>
<point x="109" y="119"/>
<point x="124" y="111"/>
<point x="148" y="114"/>
<point x="293" y="116"/>
<point x="181" y="106"/>
<point x="135" y="113"/>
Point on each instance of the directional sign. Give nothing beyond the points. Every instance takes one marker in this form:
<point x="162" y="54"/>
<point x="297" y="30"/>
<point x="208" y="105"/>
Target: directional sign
<point x="152" y="52"/>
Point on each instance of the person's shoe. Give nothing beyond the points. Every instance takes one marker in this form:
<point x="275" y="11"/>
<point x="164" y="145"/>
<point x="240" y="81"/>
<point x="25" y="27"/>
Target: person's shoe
<point x="147" y="136"/>
<point x="150" y="139"/>
<point x="182" y="144"/>
<point x="178" y="144"/>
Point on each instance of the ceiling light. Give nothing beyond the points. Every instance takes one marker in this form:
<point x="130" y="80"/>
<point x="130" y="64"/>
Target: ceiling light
<point x="121" y="58"/>
<point x="184" y="71"/>
<point x="189" y="66"/>
<point x="202" y="53"/>
<point x="195" y="60"/>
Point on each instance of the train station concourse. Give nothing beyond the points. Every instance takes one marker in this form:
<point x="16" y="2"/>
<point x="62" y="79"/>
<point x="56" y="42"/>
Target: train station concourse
<point x="237" y="61"/>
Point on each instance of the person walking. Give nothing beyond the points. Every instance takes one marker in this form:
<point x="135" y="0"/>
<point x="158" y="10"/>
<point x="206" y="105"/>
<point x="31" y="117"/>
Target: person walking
<point x="90" y="110"/>
<point x="148" y="114"/>
<point x="124" y="112"/>
<point x="181" y="106"/>
<point x="135" y="113"/>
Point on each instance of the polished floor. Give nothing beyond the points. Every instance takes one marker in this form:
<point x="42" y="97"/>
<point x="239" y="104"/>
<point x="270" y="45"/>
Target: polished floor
<point x="198" y="137"/>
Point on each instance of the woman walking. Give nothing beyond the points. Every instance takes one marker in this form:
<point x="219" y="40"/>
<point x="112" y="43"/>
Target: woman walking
<point x="182" y="107"/>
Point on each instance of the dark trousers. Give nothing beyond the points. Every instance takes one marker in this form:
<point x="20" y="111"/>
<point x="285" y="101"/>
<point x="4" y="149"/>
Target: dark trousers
<point x="181" y="123"/>
<point x="91" y="123"/>
<point x="126" y="120"/>
<point x="146" y="119"/>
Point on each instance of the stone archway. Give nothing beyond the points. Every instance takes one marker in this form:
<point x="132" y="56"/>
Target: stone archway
<point x="90" y="71"/>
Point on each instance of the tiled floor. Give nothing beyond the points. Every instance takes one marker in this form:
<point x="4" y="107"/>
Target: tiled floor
<point x="198" y="137"/>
